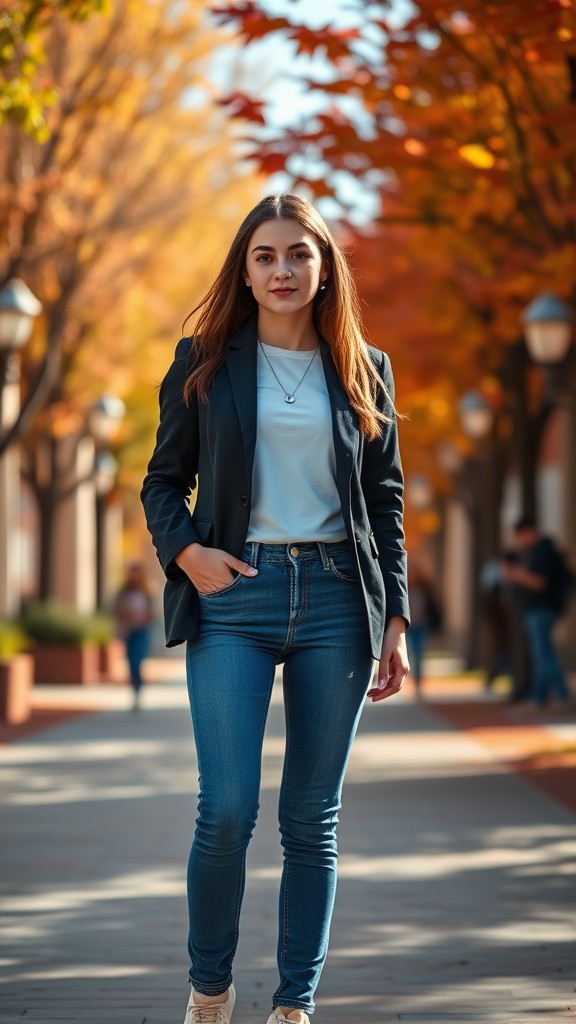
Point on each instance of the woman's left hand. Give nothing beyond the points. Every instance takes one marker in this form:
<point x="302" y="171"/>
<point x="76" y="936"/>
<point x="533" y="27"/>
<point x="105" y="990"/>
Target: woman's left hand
<point x="393" y="665"/>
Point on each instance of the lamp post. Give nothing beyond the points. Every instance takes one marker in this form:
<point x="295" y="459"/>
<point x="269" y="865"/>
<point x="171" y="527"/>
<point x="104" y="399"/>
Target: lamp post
<point x="105" y="417"/>
<point x="104" y="420"/>
<point x="476" y="415"/>
<point x="418" y="491"/>
<point x="18" y="307"/>
<point x="548" y="323"/>
<point x="481" y="501"/>
<point x="105" y="472"/>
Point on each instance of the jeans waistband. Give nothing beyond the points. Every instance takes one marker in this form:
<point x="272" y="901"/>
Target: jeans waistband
<point x="255" y="551"/>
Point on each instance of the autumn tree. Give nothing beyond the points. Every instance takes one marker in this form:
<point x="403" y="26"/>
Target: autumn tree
<point x="459" y="121"/>
<point x="113" y="220"/>
<point x="24" y="95"/>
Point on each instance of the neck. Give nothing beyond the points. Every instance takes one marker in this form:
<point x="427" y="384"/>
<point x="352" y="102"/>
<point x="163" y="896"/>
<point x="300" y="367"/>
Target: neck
<point x="292" y="332"/>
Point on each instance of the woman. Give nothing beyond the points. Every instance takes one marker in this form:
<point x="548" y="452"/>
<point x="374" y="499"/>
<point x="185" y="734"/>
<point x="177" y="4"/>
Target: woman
<point x="134" y="612"/>
<point x="281" y="421"/>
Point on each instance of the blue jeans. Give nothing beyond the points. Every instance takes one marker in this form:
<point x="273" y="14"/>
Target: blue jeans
<point x="304" y="609"/>
<point x="136" y="642"/>
<point x="546" y="670"/>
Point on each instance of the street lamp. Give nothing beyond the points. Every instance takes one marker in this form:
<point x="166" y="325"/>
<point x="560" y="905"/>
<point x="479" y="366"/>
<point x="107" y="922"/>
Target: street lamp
<point x="18" y="307"/>
<point x="476" y="415"/>
<point x="548" y="323"/>
<point x="105" y="470"/>
<point x="104" y="419"/>
<point x="105" y="416"/>
<point x="418" y="491"/>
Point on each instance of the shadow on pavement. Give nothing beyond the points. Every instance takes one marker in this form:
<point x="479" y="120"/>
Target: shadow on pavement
<point x="456" y="886"/>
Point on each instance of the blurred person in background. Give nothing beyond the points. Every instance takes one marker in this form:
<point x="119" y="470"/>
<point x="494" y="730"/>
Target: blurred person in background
<point x="425" y="618"/>
<point x="134" y="613"/>
<point x="281" y="418"/>
<point x="541" y="579"/>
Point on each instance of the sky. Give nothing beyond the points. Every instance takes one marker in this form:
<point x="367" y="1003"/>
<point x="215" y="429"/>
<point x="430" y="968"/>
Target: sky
<point x="270" y="70"/>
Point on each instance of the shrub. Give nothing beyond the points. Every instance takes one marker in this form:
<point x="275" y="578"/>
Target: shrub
<point x="13" y="639"/>
<point x="57" y="624"/>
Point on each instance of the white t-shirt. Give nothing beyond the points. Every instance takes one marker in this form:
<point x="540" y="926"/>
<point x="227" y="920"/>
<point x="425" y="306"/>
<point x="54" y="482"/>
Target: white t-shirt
<point x="294" y="495"/>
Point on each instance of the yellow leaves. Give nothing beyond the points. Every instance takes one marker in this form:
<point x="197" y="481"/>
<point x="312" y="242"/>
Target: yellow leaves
<point x="23" y="98"/>
<point x="477" y="155"/>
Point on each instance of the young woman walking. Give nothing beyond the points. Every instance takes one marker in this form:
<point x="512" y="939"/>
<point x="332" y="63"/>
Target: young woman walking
<point x="279" y="419"/>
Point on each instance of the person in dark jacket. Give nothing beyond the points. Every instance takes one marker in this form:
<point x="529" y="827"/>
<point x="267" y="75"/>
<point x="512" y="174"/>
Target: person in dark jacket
<point x="279" y="420"/>
<point x="536" y="578"/>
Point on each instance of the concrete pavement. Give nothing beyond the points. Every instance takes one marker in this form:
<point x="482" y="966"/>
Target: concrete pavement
<point x="457" y="891"/>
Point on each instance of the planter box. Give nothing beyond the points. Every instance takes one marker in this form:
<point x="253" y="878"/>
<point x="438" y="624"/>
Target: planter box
<point x="16" y="677"/>
<point x="112" y="662"/>
<point x="79" y="665"/>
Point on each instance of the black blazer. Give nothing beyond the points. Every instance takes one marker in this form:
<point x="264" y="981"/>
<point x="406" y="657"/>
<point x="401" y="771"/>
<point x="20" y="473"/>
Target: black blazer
<point x="209" y="448"/>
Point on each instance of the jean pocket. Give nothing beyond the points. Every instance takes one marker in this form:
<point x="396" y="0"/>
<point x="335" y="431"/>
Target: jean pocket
<point x="224" y="590"/>
<point x="343" y="567"/>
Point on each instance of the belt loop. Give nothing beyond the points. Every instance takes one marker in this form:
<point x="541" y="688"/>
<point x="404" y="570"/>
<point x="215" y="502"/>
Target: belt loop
<point x="255" y="544"/>
<point x="323" y="554"/>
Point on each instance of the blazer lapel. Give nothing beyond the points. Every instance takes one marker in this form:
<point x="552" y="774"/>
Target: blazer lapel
<point x="344" y="425"/>
<point x="241" y="366"/>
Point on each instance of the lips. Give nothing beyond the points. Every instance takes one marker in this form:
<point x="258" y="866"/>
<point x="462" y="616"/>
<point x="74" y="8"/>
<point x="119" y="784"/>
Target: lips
<point x="283" y="291"/>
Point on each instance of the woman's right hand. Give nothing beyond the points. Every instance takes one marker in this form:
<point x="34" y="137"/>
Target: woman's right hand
<point x="210" y="569"/>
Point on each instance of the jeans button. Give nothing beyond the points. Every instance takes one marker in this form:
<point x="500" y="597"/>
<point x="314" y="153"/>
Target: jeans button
<point x="294" y="551"/>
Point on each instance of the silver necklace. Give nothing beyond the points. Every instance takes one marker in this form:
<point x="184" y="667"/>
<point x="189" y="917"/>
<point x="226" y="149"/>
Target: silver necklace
<point x="288" y="395"/>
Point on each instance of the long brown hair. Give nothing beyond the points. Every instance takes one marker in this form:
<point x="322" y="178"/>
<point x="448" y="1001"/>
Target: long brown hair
<point x="229" y="303"/>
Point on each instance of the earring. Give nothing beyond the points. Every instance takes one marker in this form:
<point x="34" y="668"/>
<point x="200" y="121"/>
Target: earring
<point x="323" y="287"/>
<point x="248" y="285"/>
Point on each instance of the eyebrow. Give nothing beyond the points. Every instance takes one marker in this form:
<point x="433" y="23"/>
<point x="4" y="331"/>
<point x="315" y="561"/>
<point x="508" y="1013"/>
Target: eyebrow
<point x="270" y="248"/>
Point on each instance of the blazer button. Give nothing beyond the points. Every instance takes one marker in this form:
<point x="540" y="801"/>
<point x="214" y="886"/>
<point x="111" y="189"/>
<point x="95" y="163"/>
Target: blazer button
<point x="244" y="500"/>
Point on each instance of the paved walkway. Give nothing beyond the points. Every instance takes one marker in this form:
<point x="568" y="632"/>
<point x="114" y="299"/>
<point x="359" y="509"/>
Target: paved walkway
<point x="457" y="893"/>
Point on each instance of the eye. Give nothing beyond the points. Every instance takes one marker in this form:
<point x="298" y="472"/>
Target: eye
<point x="299" y="255"/>
<point x="263" y="258"/>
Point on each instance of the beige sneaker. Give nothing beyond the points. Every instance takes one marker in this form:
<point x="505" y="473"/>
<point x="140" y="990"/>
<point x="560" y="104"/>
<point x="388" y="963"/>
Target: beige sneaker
<point x="212" y="1012"/>
<point x="294" y="1017"/>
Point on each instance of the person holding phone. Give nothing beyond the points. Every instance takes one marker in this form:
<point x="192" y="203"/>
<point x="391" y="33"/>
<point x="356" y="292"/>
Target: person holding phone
<point x="279" y="418"/>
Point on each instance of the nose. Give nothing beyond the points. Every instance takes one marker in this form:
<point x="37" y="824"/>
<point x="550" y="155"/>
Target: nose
<point x="283" y="270"/>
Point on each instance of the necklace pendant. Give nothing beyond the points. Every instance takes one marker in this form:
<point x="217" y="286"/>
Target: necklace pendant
<point x="289" y="399"/>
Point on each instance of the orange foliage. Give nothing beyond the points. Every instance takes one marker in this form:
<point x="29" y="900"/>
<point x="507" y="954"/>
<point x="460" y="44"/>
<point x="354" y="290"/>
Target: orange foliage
<point x="465" y="132"/>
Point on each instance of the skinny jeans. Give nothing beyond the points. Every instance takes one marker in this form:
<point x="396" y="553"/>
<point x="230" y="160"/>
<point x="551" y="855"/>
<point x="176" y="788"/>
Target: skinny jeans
<point x="304" y="609"/>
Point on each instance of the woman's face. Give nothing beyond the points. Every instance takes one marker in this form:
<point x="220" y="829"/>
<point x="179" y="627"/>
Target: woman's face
<point x="284" y="266"/>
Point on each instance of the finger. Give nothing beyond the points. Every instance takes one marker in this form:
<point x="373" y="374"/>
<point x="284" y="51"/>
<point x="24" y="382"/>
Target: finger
<point x="377" y="694"/>
<point x="242" y="567"/>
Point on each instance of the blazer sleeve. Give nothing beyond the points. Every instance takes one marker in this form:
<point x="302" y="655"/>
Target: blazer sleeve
<point x="383" y="489"/>
<point x="171" y="475"/>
